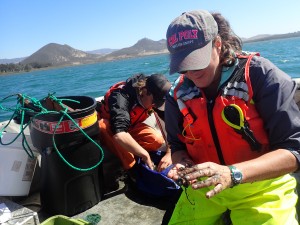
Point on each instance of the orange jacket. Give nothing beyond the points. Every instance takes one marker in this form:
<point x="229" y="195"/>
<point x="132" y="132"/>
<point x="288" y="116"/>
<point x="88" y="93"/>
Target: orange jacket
<point x="206" y="135"/>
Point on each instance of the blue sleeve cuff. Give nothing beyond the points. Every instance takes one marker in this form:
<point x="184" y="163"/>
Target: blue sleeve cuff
<point x="296" y="153"/>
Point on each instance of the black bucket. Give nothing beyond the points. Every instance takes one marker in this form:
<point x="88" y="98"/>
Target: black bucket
<point x="67" y="133"/>
<point x="65" y="190"/>
<point x="71" y="181"/>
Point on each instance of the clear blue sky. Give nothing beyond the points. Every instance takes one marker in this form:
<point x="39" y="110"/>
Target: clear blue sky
<point x="28" y="25"/>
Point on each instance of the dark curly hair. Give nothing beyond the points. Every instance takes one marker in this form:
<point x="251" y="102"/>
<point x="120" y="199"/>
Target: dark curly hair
<point x="231" y="43"/>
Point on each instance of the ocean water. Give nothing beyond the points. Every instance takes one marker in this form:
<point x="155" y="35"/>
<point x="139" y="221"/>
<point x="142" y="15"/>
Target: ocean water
<point x="94" y="80"/>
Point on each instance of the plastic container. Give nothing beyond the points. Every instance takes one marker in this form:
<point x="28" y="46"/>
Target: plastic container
<point x="65" y="190"/>
<point x="64" y="220"/>
<point x="16" y="167"/>
<point x="42" y="127"/>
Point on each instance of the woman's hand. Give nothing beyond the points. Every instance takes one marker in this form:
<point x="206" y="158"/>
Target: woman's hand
<point x="206" y="175"/>
<point x="174" y="172"/>
<point x="164" y="162"/>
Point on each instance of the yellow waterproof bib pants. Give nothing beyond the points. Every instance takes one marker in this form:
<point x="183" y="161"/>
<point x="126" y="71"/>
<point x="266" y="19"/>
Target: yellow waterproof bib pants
<point x="269" y="202"/>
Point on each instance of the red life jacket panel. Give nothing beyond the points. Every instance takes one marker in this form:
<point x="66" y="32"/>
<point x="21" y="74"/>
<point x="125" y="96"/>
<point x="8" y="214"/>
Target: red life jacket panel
<point x="198" y="130"/>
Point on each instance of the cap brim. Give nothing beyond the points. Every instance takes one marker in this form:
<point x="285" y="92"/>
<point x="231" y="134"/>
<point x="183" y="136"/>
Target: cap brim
<point x="195" y="59"/>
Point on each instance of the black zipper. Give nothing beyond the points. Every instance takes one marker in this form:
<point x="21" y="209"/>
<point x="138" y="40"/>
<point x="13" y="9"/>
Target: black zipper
<point x="210" y="106"/>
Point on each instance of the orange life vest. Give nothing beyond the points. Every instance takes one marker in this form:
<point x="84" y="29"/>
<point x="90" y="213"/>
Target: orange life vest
<point x="206" y="135"/>
<point x="137" y="113"/>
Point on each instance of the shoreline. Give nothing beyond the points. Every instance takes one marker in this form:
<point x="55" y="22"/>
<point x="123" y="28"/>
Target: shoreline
<point x="73" y="65"/>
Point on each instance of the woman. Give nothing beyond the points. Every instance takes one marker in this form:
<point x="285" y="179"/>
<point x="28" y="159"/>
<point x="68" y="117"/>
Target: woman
<point x="233" y="127"/>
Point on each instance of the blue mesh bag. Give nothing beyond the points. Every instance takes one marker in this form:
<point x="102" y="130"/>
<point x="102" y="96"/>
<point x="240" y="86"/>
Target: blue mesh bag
<point x="152" y="182"/>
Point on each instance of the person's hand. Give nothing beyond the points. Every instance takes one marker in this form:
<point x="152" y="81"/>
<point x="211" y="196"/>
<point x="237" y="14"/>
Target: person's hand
<point x="173" y="173"/>
<point x="212" y="174"/>
<point x="147" y="160"/>
<point x="164" y="162"/>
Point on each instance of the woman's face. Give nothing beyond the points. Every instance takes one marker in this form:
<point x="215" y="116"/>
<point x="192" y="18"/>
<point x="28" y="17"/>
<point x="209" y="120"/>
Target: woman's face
<point x="205" y="77"/>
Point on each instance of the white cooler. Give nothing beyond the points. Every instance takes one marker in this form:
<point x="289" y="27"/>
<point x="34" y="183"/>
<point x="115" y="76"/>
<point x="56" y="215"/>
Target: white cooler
<point x="16" y="167"/>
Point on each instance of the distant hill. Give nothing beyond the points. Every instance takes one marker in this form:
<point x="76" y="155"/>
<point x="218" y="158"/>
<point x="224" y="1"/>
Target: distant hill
<point x="58" y="55"/>
<point x="257" y="37"/>
<point x="267" y="37"/>
<point x="103" y="51"/>
<point x="143" y="47"/>
<point x="15" y="60"/>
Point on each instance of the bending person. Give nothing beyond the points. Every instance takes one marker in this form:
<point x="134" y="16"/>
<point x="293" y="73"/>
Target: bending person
<point x="122" y="116"/>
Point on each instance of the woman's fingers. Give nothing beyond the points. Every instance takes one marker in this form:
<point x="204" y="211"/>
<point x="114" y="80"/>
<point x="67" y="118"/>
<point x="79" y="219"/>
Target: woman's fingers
<point x="207" y="175"/>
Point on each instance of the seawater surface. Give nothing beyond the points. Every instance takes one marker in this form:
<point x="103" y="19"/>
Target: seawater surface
<point x="93" y="80"/>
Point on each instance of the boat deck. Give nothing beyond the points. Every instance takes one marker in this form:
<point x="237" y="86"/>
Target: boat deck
<point x="122" y="204"/>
